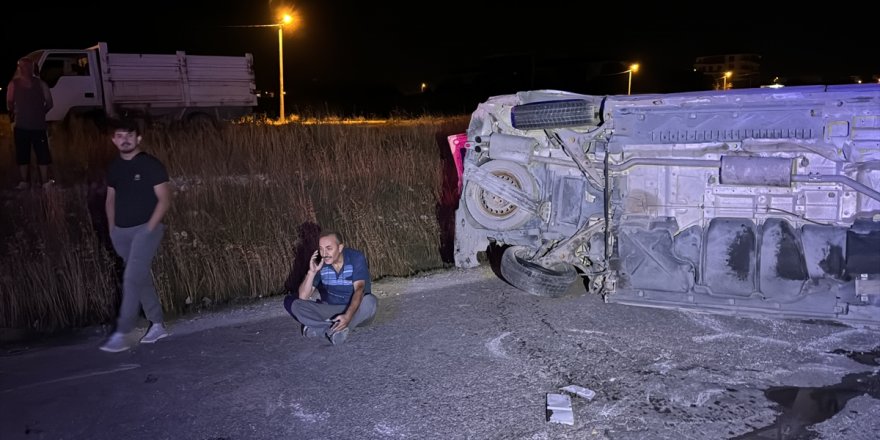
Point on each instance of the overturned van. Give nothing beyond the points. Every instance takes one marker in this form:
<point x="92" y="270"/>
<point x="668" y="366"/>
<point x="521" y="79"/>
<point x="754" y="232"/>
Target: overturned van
<point x="753" y="201"/>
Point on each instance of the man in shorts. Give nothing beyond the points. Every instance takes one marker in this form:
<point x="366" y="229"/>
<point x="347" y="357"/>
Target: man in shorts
<point x="28" y="99"/>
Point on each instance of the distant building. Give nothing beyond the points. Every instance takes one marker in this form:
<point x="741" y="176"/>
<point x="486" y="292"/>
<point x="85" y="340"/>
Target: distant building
<point x="744" y="68"/>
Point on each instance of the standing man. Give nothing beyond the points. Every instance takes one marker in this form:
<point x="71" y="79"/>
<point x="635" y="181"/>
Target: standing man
<point x="138" y="196"/>
<point x="342" y="278"/>
<point x="28" y="99"/>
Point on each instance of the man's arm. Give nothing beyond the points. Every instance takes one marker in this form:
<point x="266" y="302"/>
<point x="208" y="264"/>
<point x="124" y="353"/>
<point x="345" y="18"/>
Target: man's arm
<point x="307" y="286"/>
<point x="360" y="275"/>
<point x="47" y="97"/>
<point x="110" y="207"/>
<point x="163" y="193"/>
<point x="356" y="297"/>
<point x="10" y="100"/>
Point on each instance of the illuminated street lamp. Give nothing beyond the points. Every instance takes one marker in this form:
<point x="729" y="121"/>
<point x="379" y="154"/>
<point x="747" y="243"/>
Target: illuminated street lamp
<point x="285" y="20"/>
<point x="632" y="68"/>
<point x="727" y="74"/>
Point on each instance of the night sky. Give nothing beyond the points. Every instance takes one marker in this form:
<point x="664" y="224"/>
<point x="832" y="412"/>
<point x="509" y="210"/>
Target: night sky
<point x="360" y="55"/>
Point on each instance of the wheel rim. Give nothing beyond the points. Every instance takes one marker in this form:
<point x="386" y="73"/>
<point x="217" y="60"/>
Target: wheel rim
<point x="495" y="205"/>
<point x="492" y="211"/>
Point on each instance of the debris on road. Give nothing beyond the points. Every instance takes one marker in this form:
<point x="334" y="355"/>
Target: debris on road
<point x="559" y="409"/>
<point x="580" y="391"/>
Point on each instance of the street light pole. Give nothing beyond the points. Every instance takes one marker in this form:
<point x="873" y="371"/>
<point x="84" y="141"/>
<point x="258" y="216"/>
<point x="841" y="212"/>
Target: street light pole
<point x="286" y="19"/>
<point x="281" y="70"/>
<point x="629" y="83"/>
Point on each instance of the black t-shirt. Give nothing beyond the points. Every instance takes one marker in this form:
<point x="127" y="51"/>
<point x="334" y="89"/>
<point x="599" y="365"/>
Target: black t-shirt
<point x="133" y="181"/>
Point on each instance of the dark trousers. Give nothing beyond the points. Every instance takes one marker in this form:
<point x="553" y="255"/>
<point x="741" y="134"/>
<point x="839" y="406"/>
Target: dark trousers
<point x="315" y="314"/>
<point x="38" y="140"/>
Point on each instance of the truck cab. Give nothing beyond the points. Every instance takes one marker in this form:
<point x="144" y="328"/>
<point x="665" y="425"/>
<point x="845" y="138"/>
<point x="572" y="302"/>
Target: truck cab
<point x="73" y="78"/>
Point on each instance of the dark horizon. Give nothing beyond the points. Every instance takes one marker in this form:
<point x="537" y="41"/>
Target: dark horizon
<point x="359" y="58"/>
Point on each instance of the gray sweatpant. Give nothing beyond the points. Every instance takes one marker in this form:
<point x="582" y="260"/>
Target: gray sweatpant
<point x="137" y="246"/>
<point x="314" y="314"/>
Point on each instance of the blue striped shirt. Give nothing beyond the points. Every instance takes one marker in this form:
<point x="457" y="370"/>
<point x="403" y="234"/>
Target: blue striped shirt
<point x="338" y="287"/>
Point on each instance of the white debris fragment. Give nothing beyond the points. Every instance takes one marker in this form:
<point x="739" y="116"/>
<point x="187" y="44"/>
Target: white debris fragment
<point x="559" y="409"/>
<point x="580" y="391"/>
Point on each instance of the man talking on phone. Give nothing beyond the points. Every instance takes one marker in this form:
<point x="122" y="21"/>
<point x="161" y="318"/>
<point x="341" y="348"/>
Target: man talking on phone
<point x="341" y="276"/>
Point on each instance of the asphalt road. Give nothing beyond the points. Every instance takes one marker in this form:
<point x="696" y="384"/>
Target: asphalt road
<point x="454" y="355"/>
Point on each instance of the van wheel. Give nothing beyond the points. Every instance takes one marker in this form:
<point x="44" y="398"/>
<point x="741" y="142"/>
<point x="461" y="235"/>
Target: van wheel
<point x="533" y="278"/>
<point x="492" y="211"/>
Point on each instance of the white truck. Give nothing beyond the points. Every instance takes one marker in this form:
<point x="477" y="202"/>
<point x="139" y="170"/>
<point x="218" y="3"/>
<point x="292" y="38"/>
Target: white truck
<point x="181" y="86"/>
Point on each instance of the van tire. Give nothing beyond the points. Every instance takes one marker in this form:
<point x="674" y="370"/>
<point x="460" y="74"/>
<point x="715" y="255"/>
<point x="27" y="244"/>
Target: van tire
<point x="533" y="278"/>
<point x="553" y="114"/>
<point x="493" y="212"/>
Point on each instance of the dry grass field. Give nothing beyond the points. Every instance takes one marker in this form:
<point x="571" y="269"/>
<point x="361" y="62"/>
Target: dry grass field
<point x="249" y="201"/>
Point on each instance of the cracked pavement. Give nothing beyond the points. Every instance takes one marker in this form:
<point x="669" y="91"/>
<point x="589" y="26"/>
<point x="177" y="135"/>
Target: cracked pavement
<point x="452" y="354"/>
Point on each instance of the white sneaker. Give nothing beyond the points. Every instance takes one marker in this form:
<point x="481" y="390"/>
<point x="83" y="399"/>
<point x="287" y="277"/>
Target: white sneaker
<point x="156" y="332"/>
<point x="337" y="338"/>
<point x="49" y="184"/>
<point x="309" y="332"/>
<point x="116" y="343"/>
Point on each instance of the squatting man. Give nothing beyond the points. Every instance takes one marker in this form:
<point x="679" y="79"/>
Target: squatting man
<point x="341" y="276"/>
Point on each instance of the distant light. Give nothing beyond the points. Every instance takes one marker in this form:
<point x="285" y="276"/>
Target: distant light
<point x="424" y="86"/>
<point x="773" y="86"/>
<point x="728" y="74"/>
<point x="859" y="81"/>
<point x="286" y="19"/>
<point x="634" y="67"/>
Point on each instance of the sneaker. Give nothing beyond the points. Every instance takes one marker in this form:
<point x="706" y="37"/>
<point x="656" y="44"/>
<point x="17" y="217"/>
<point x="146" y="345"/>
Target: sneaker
<point x="49" y="184"/>
<point x="339" y="337"/>
<point x="116" y="343"/>
<point x="156" y="332"/>
<point x="309" y="332"/>
<point x="22" y="185"/>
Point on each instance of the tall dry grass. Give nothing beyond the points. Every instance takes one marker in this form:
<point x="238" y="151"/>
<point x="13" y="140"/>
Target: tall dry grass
<point x="249" y="201"/>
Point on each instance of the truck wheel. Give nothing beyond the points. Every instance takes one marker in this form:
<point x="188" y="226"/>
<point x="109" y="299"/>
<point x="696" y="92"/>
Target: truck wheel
<point x="201" y="121"/>
<point x="77" y="117"/>
<point x="534" y="278"/>
<point x="492" y="211"/>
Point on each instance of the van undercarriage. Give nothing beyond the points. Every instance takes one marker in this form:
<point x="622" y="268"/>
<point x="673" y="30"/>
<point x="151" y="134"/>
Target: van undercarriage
<point x="756" y="201"/>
